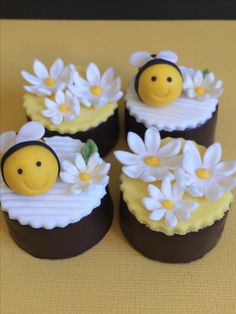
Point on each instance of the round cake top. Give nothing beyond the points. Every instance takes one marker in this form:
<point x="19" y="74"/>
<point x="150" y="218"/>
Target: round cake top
<point x="68" y="100"/>
<point x="191" y="105"/>
<point x="175" y="186"/>
<point x="79" y="189"/>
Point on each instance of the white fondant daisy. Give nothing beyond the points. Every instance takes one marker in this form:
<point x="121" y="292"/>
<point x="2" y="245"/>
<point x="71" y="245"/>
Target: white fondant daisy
<point x="85" y="176"/>
<point x="66" y="107"/>
<point x="97" y="90"/>
<point x="48" y="82"/>
<point x="167" y="203"/>
<point x="149" y="161"/>
<point x="201" y="87"/>
<point x="207" y="176"/>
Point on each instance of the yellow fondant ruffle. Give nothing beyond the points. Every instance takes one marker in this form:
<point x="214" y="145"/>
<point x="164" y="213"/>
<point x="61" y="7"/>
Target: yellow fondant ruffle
<point x="88" y="118"/>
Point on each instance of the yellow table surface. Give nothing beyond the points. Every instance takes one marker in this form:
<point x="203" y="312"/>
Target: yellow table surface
<point x="113" y="277"/>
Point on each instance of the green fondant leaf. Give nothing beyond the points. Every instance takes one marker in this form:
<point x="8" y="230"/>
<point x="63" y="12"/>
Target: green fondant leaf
<point x="205" y="72"/>
<point x="88" y="149"/>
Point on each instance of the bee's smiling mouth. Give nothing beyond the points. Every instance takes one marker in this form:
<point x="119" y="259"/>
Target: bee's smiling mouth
<point x="161" y="96"/>
<point x="36" y="188"/>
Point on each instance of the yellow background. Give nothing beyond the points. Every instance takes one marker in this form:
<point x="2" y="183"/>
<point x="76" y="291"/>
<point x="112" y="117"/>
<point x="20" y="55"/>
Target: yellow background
<point x="113" y="277"/>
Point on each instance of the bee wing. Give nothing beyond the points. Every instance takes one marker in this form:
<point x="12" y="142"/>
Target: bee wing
<point x="30" y="131"/>
<point x="7" y="140"/>
<point x="167" y="55"/>
<point x="139" y="58"/>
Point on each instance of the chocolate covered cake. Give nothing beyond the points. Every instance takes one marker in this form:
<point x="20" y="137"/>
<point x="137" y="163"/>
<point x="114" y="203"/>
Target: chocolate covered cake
<point x="54" y="192"/>
<point x="175" y="196"/>
<point x="179" y="101"/>
<point x="80" y="103"/>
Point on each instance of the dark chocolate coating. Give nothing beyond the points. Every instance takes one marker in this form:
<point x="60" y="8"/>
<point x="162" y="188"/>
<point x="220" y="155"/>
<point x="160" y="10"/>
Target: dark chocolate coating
<point x="66" y="242"/>
<point x="169" y="249"/>
<point x="105" y="135"/>
<point x="203" y="134"/>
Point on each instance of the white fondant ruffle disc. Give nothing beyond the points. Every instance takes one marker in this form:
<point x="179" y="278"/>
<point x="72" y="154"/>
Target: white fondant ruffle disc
<point x="182" y="114"/>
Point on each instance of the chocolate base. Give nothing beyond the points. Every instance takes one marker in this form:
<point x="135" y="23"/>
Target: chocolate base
<point x="203" y="134"/>
<point x="169" y="249"/>
<point x="66" y="242"/>
<point x="105" y="135"/>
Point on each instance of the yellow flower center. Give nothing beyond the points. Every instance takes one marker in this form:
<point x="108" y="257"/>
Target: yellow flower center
<point x="152" y="161"/>
<point x="50" y="82"/>
<point x="203" y="174"/>
<point x="167" y="204"/>
<point x="64" y="108"/>
<point x="85" y="176"/>
<point x="96" y="90"/>
<point x="200" y="90"/>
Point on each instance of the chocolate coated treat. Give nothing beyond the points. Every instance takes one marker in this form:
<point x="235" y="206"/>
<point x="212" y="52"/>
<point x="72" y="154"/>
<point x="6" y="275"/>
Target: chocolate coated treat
<point x="169" y="249"/>
<point x="203" y="134"/>
<point x="105" y="135"/>
<point x="66" y="242"/>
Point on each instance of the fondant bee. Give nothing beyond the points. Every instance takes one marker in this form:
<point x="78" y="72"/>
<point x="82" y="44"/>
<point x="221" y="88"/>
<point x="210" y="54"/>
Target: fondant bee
<point x="28" y="165"/>
<point x="159" y="80"/>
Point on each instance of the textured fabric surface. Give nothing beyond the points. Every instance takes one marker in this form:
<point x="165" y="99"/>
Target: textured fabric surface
<point x="113" y="277"/>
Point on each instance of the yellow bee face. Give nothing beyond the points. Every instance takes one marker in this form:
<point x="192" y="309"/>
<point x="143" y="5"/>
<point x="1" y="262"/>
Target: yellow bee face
<point x="159" y="84"/>
<point x="31" y="170"/>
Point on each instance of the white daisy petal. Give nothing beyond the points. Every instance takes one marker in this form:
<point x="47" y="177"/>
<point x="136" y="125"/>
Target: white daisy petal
<point x="60" y="97"/>
<point x="80" y="162"/>
<point x="93" y="74"/>
<point x="157" y="214"/>
<point x="57" y="118"/>
<point x="107" y="77"/>
<point x="177" y="191"/>
<point x="187" y="205"/>
<point x="152" y="140"/>
<point x="127" y="158"/>
<point x="50" y="104"/>
<point x="188" y="83"/>
<point x="136" y="143"/>
<point x="56" y="68"/>
<point x="190" y="93"/>
<point x="48" y="113"/>
<point x="167" y="188"/>
<point x="209" y="79"/>
<point x="133" y="171"/>
<point x="183" y="214"/>
<point x="227" y="184"/>
<point x="195" y="190"/>
<point x="213" y="192"/>
<point x="192" y="158"/>
<point x="170" y="219"/>
<point x="173" y="162"/>
<point x="117" y="96"/>
<point x="147" y="178"/>
<point x="30" y="78"/>
<point x="170" y="149"/>
<point x="101" y="102"/>
<point x="93" y="161"/>
<point x="69" y="167"/>
<point x="40" y="69"/>
<point x="225" y="168"/>
<point x="68" y="177"/>
<point x="150" y="203"/>
<point x="155" y="193"/>
<point x="212" y="156"/>
<point x="198" y="78"/>
<point x="35" y="90"/>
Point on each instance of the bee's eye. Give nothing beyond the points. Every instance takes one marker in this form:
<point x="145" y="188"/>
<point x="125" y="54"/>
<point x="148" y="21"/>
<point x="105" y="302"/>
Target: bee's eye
<point x="20" y="171"/>
<point x="154" y="78"/>
<point x="38" y="163"/>
<point x="169" y="79"/>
